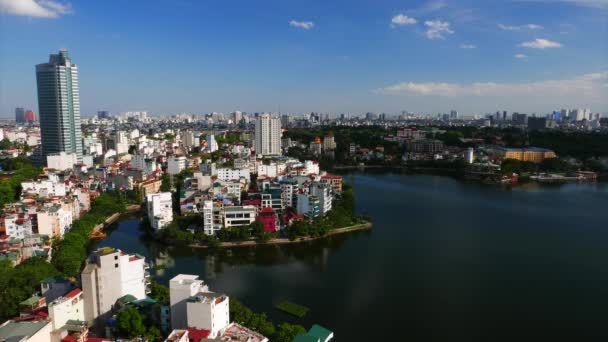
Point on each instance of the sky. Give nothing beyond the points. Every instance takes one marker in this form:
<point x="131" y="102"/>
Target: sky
<point x="299" y="56"/>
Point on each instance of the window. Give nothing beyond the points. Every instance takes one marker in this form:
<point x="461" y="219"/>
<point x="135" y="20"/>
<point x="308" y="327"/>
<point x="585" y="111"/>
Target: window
<point x="115" y="265"/>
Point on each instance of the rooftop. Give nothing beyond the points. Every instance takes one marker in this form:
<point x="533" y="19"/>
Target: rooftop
<point x="12" y="329"/>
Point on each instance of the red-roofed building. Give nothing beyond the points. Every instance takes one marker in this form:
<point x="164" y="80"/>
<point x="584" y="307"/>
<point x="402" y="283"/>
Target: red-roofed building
<point x="269" y="218"/>
<point x="196" y="335"/>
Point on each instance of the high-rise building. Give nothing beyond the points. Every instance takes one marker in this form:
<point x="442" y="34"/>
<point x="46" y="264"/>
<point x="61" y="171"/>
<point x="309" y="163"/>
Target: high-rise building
<point x="29" y="116"/>
<point x="267" y="135"/>
<point x="103" y="114"/>
<point x="211" y="143"/>
<point x="454" y="115"/>
<point x="59" y="105"/>
<point x="19" y="115"/>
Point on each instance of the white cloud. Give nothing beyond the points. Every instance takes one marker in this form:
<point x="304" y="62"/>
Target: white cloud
<point x="467" y="46"/>
<point x="520" y="27"/>
<point x="588" y="86"/>
<point x="520" y="56"/>
<point x="306" y="25"/>
<point x="401" y="20"/>
<point x="540" y="43"/>
<point x="35" y="8"/>
<point x="437" y="29"/>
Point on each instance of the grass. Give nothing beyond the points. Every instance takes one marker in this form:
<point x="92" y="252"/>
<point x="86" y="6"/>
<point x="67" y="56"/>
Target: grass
<point x="292" y="308"/>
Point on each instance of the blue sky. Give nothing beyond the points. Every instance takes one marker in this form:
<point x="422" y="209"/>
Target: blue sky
<point x="173" y="56"/>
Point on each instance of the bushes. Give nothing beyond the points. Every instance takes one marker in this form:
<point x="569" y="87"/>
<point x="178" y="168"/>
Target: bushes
<point x="20" y="282"/>
<point x="259" y="322"/>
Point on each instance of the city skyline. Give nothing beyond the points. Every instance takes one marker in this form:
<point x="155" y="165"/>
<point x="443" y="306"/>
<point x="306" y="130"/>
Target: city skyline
<point x="424" y="56"/>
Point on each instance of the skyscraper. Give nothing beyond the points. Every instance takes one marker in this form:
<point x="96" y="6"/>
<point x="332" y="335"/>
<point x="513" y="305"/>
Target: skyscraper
<point x="59" y="105"/>
<point x="267" y="135"/>
<point x="19" y="115"/>
<point x="30" y="116"/>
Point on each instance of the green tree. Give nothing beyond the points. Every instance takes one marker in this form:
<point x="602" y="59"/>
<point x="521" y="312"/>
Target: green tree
<point x="287" y="332"/>
<point x="160" y="293"/>
<point x="130" y="323"/>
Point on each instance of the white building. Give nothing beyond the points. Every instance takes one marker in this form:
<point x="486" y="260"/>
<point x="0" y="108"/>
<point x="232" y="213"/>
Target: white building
<point x="61" y="161"/>
<point x="53" y="221"/>
<point x="209" y="311"/>
<point x="323" y="193"/>
<point x="17" y="226"/>
<point x="175" y="165"/>
<point x="237" y="216"/>
<point x="44" y="188"/>
<point x="311" y="167"/>
<point x="110" y="275"/>
<point x="267" y="135"/>
<point x="70" y="306"/>
<point x="228" y="174"/>
<point x="207" y="212"/>
<point x="469" y="155"/>
<point x="144" y="163"/>
<point x="181" y="288"/>
<point x="211" y="143"/>
<point x="270" y="170"/>
<point x="160" y="209"/>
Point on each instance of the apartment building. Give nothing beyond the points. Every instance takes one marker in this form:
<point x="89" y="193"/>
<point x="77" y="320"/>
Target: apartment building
<point x="109" y="275"/>
<point x="160" y="209"/>
<point x="181" y="288"/>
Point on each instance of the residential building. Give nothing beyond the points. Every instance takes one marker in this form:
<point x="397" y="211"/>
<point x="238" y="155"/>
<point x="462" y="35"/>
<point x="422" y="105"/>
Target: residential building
<point x="61" y="161"/>
<point x="425" y="146"/>
<point x="268" y="217"/>
<point x="228" y="174"/>
<point x="181" y="288"/>
<point x="59" y="105"/>
<point x="309" y="205"/>
<point x="237" y="216"/>
<point x="329" y="143"/>
<point x="160" y="209"/>
<point x="26" y="331"/>
<point x="267" y="135"/>
<point x="109" y="275"/>
<point x="176" y="164"/>
<point x="209" y="311"/>
<point x="69" y="307"/>
<point x="323" y="193"/>
<point x="211" y="143"/>
<point x="207" y="212"/>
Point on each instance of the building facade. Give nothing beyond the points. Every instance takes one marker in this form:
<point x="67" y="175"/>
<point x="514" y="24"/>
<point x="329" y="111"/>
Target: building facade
<point x="267" y="135"/>
<point x="59" y="105"/>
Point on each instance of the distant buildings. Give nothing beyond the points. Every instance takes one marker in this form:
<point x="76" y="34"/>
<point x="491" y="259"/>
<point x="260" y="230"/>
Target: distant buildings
<point x="109" y="275"/>
<point x="176" y="164"/>
<point x="19" y="115"/>
<point x="529" y="154"/>
<point x="103" y="114"/>
<point x="267" y="135"/>
<point x="59" y="105"/>
<point x="211" y="143"/>
<point x="160" y="209"/>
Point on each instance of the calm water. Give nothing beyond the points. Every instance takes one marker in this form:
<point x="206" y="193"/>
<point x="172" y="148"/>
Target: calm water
<point x="446" y="260"/>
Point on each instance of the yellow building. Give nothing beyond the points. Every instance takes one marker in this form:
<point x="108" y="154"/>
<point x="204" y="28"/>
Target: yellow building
<point x="529" y="154"/>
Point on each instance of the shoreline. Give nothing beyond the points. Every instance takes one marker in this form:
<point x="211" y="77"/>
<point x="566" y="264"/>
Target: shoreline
<point x="285" y="241"/>
<point x="116" y="216"/>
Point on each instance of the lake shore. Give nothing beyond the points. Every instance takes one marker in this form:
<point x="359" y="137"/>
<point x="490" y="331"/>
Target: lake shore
<point x="283" y="241"/>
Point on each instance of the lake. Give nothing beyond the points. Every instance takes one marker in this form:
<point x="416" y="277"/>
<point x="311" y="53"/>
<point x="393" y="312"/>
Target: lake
<point x="446" y="260"/>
